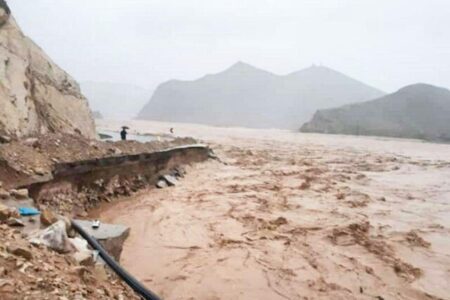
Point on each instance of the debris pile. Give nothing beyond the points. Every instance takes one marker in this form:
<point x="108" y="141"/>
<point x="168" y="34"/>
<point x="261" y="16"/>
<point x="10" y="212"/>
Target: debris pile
<point x="29" y="271"/>
<point x="42" y="258"/>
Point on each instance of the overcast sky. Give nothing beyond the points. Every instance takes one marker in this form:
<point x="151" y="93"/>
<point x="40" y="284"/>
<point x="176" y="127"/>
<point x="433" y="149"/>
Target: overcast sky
<point x="385" y="43"/>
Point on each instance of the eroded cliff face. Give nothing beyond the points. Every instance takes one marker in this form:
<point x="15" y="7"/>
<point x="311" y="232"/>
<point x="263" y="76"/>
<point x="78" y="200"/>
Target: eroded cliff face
<point x="36" y="96"/>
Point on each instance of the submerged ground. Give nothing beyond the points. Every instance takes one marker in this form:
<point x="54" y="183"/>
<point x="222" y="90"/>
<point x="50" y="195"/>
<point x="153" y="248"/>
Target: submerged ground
<point x="294" y="216"/>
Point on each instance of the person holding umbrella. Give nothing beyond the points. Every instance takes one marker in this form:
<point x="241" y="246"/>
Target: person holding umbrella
<point x="123" y="133"/>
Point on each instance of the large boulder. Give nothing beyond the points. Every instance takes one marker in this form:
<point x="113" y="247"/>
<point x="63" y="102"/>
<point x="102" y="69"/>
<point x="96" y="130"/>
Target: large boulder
<point x="36" y="96"/>
<point x="55" y="237"/>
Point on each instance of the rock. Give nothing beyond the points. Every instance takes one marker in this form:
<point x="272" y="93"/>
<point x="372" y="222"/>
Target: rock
<point x="69" y="229"/>
<point x="110" y="236"/>
<point x="54" y="237"/>
<point x="32" y="142"/>
<point x="4" y="194"/>
<point x="48" y="217"/>
<point x="21" y="251"/>
<point x="14" y="222"/>
<point x="171" y="180"/>
<point x="161" y="184"/>
<point x="83" y="256"/>
<point x="5" y="212"/>
<point x="4" y="139"/>
<point x="100" y="272"/>
<point x="179" y="172"/>
<point x="14" y="213"/>
<point x="279" y="221"/>
<point x="21" y="194"/>
<point x="40" y="171"/>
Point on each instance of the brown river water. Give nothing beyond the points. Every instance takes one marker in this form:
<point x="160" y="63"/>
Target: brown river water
<point x="286" y="215"/>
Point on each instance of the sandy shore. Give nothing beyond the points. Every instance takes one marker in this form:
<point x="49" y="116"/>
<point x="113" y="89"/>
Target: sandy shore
<point x="294" y="216"/>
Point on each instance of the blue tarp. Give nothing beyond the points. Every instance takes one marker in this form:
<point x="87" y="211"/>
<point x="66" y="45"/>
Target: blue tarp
<point x="28" y="211"/>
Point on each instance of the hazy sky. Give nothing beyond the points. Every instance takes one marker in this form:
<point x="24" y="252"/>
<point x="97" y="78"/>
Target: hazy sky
<point x="385" y="43"/>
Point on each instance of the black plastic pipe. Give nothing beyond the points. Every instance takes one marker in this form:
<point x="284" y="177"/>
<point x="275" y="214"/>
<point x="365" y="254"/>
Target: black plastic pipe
<point x="124" y="275"/>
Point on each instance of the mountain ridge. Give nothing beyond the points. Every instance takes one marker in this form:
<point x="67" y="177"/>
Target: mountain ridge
<point x="244" y="95"/>
<point x="415" y="111"/>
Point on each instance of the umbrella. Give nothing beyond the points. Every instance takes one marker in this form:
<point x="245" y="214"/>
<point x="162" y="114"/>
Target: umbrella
<point x="125" y="127"/>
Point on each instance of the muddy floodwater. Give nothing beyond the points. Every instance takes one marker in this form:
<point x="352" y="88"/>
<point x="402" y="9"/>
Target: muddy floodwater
<point x="287" y="215"/>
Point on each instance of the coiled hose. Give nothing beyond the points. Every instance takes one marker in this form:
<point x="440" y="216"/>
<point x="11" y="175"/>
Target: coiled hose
<point x="124" y="275"/>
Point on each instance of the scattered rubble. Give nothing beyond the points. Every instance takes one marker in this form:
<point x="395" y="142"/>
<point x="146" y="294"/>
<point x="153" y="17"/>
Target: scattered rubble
<point x="37" y="273"/>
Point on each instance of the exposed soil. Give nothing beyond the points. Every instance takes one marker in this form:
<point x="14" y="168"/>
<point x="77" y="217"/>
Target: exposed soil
<point x="294" y="216"/>
<point x="36" y="156"/>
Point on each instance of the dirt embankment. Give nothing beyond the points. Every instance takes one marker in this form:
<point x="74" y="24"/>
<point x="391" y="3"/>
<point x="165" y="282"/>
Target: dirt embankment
<point x="33" y="162"/>
<point x="37" y="156"/>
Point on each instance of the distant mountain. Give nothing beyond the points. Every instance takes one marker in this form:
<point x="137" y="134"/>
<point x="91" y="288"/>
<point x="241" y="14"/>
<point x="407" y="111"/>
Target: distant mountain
<point x="416" y="111"/>
<point x="97" y="115"/>
<point x="247" y="96"/>
<point x="115" y="100"/>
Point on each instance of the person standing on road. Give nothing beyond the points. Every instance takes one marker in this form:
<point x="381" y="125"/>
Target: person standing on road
<point x="123" y="133"/>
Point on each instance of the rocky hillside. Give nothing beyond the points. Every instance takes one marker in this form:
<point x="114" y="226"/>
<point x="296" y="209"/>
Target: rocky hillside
<point x="36" y="96"/>
<point x="416" y="111"/>
<point x="247" y="96"/>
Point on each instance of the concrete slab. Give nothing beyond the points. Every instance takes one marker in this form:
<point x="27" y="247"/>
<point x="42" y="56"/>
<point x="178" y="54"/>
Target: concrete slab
<point x="110" y="236"/>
